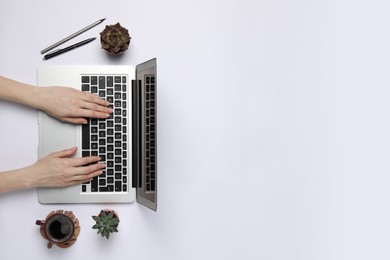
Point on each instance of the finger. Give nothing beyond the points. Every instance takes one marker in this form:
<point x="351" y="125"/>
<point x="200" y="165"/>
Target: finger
<point x="96" y="107"/>
<point x="88" y="111"/>
<point x="82" y="178"/>
<point x="80" y="161"/>
<point x="86" y="170"/>
<point x="94" y="114"/>
<point x="75" y="120"/>
<point x="93" y="98"/>
<point x="65" y="153"/>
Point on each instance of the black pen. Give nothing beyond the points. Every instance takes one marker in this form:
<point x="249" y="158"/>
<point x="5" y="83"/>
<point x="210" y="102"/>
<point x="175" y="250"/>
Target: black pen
<point x="74" y="46"/>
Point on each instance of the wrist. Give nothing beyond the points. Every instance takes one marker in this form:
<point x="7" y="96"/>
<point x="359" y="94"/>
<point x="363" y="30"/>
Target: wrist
<point x="25" y="178"/>
<point x="35" y="99"/>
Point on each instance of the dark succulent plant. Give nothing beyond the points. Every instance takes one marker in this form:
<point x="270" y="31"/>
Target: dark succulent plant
<point x="115" y="38"/>
<point x="106" y="223"/>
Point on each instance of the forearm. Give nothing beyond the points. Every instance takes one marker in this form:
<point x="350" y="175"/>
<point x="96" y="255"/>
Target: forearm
<point x="19" y="92"/>
<point x="15" y="180"/>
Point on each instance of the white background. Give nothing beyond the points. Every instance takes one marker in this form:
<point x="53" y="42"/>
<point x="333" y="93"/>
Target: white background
<point x="273" y="127"/>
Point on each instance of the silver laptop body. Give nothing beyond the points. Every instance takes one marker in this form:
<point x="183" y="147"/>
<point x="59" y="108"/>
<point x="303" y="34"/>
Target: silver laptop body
<point x="131" y="173"/>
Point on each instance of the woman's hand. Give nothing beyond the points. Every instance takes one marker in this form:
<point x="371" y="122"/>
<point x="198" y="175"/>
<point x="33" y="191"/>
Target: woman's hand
<point x="64" y="103"/>
<point x="71" y="105"/>
<point x="59" y="170"/>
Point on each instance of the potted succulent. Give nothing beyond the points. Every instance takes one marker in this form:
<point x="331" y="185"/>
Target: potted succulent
<point x="115" y="39"/>
<point x="106" y="222"/>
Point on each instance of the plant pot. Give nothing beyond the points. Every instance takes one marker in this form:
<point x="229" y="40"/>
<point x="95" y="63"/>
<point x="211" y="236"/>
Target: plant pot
<point x="107" y="222"/>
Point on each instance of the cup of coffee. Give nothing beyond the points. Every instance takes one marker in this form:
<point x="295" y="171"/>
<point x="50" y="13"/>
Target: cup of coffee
<point x="60" y="228"/>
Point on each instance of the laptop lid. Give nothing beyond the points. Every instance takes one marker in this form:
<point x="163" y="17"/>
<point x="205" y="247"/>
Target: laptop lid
<point x="145" y="133"/>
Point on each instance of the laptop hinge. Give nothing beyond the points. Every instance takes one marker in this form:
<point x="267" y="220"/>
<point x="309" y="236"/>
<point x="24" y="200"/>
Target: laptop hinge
<point x="136" y="125"/>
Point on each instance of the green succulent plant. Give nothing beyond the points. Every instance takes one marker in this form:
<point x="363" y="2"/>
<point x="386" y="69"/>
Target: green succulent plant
<point x="106" y="223"/>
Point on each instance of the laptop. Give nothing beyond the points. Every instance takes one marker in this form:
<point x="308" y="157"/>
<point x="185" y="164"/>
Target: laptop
<point x="126" y="141"/>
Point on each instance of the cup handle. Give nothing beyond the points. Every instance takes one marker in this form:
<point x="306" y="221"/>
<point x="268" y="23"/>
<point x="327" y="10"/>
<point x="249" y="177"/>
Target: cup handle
<point x="39" y="222"/>
<point x="49" y="245"/>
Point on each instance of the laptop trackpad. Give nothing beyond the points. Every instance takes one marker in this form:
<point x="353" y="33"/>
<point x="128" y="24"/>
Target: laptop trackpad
<point x="55" y="135"/>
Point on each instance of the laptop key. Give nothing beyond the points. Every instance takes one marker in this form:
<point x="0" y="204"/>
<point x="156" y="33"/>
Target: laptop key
<point x="85" y="87"/>
<point x="103" y="189"/>
<point x="102" y="182"/>
<point x="94" y="80"/>
<point x="94" y="185"/>
<point x="85" y="154"/>
<point x="102" y="82"/>
<point x="118" y="186"/>
<point x="85" y="136"/>
<point x="84" y="79"/>
<point x="110" y="81"/>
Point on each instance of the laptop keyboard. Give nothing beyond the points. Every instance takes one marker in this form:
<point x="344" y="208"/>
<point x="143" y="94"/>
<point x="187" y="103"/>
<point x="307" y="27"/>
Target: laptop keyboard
<point x="150" y="133"/>
<point x="107" y="138"/>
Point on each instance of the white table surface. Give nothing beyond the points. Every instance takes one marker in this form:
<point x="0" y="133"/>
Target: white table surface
<point x="273" y="128"/>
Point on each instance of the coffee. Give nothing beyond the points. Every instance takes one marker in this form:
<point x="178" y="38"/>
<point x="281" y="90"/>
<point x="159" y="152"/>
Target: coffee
<point x="59" y="228"/>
